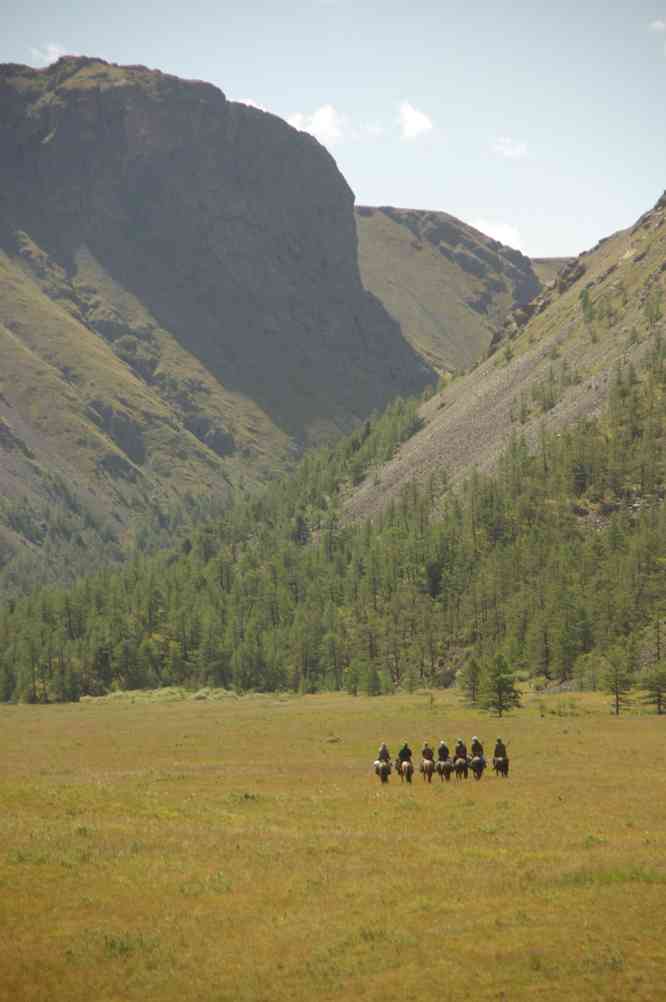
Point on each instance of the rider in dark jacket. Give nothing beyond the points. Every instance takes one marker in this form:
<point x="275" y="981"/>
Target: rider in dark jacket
<point x="442" y="751"/>
<point x="477" y="747"/>
<point x="383" y="755"/>
<point x="405" y="753"/>
<point x="500" y="750"/>
<point x="461" y="749"/>
<point x="427" y="752"/>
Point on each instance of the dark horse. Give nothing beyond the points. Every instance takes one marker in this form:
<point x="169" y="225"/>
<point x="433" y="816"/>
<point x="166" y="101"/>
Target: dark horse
<point x="501" y="766"/>
<point x="477" y="765"/>
<point x="444" y="769"/>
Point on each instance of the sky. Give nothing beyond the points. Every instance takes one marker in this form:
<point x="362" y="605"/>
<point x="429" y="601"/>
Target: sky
<point x="542" y="124"/>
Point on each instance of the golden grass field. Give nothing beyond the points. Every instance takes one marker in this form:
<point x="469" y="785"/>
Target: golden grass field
<point x="241" y="849"/>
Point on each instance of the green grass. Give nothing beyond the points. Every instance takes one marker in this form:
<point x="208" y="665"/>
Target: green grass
<point x="241" y="848"/>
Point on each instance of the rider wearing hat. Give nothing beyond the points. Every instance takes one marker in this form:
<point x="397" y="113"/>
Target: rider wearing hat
<point x="405" y="753"/>
<point x="383" y="755"/>
<point x="477" y="750"/>
<point x="461" y="749"/>
<point x="427" y="752"/>
<point x="500" y="750"/>
<point x="442" y="751"/>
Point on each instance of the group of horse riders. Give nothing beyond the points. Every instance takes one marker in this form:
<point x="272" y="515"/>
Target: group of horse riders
<point x="442" y="761"/>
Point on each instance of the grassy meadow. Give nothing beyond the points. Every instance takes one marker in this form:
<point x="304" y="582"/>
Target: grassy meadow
<point x="241" y="849"/>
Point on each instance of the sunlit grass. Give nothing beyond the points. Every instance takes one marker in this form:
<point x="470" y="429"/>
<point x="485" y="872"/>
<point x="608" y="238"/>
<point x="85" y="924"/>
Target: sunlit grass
<point x="241" y="849"/>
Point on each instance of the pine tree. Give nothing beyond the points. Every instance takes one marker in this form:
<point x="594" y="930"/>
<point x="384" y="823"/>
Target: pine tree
<point x="471" y="680"/>
<point x="654" y="683"/>
<point x="498" y="693"/>
<point x="617" y="677"/>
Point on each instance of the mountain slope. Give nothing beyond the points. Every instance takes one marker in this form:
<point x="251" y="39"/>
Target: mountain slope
<point x="555" y="562"/>
<point x="550" y="364"/>
<point x="448" y="285"/>
<point x="180" y="303"/>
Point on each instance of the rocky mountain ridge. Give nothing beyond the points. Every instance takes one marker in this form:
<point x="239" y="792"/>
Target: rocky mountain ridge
<point x="180" y="303"/>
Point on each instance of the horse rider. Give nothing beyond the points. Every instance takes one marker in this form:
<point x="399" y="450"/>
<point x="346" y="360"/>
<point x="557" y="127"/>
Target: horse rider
<point x="476" y="748"/>
<point x="500" y="750"/>
<point x="383" y="755"/>
<point x="442" y="751"/>
<point x="460" y="750"/>
<point x="427" y="752"/>
<point x="405" y="753"/>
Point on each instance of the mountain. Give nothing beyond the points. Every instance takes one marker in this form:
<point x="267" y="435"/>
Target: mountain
<point x="551" y="565"/>
<point x="181" y="309"/>
<point x="514" y="522"/>
<point x="550" y="364"/>
<point x="448" y="285"/>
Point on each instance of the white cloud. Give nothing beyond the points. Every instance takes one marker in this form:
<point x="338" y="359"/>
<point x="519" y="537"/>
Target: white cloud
<point x="510" y="149"/>
<point x="658" y="25"/>
<point x="413" y="123"/>
<point x="326" y="124"/>
<point x="47" y="54"/>
<point x="504" y="232"/>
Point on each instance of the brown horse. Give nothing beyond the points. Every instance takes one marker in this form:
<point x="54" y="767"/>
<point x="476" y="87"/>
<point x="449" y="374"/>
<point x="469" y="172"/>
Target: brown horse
<point x="444" y="769"/>
<point x="405" y="770"/>
<point x="461" y="767"/>
<point x="427" y="768"/>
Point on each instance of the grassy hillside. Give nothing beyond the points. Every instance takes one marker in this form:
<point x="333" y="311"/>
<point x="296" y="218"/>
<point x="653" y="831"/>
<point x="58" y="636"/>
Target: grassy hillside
<point x="146" y="843"/>
<point x="447" y="285"/>
<point x="555" y="564"/>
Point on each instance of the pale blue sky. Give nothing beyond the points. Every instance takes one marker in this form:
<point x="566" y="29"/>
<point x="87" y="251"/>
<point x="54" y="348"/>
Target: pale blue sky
<point x="542" y="124"/>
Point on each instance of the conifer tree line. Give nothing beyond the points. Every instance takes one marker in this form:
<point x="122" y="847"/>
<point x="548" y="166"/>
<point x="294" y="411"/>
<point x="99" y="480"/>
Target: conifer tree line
<point x="549" y="567"/>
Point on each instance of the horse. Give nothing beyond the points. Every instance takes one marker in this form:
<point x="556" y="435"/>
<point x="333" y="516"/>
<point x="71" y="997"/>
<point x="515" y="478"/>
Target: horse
<point x="444" y="769"/>
<point x="461" y="766"/>
<point x="477" y="765"/>
<point x="427" y="768"/>
<point x="405" y="770"/>
<point x="383" y="770"/>
<point x="501" y="766"/>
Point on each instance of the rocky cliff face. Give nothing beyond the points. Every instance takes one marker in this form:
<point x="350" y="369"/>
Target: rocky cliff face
<point x="180" y="301"/>
<point x="232" y="229"/>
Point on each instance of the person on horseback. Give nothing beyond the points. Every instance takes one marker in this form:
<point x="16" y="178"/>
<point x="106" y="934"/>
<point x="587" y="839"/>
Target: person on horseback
<point x="442" y="751"/>
<point x="476" y="748"/>
<point x="383" y="755"/>
<point x="405" y="753"/>
<point x="501" y="759"/>
<point x="427" y="752"/>
<point x="460" y="750"/>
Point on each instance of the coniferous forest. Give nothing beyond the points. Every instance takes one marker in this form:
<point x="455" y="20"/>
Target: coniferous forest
<point x="554" y="563"/>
